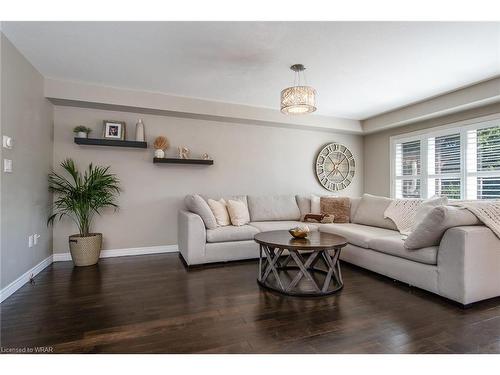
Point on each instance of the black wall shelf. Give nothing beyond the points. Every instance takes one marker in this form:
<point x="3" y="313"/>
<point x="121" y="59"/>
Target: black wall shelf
<point x="110" y="142"/>
<point x="183" y="161"/>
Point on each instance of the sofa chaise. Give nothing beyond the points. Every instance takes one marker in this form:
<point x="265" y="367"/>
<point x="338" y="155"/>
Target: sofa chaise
<point x="463" y="267"/>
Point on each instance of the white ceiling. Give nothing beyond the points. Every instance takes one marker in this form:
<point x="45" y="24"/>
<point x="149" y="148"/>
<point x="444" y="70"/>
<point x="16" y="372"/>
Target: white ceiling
<point x="360" y="69"/>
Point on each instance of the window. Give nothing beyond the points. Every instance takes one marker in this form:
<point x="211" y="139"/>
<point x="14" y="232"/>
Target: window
<point x="460" y="163"/>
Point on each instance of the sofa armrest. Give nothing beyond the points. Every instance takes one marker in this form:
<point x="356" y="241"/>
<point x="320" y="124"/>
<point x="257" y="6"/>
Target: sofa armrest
<point x="191" y="235"/>
<point x="469" y="264"/>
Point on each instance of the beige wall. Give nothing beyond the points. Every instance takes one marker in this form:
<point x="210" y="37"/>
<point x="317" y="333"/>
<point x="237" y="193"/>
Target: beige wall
<point x="249" y="159"/>
<point x="377" y="147"/>
<point x="27" y="117"/>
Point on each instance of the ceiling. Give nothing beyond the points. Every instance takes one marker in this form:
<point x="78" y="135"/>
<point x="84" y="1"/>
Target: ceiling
<point x="360" y="69"/>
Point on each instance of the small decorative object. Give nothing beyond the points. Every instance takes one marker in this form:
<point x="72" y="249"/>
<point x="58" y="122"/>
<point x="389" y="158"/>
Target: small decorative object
<point x="300" y="232"/>
<point x="114" y="129"/>
<point x="139" y="131"/>
<point x="80" y="196"/>
<point x="205" y="156"/>
<point x="300" y="98"/>
<point x="160" y="144"/>
<point x="183" y="152"/>
<point x="335" y="167"/>
<point x="319" y="218"/>
<point x="81" y="131"/>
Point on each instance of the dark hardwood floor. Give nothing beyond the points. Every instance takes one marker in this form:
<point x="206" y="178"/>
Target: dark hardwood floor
<point x="152" y="304"/>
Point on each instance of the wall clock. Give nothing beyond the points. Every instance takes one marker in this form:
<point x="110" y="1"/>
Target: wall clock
<point x="335" y="167"/>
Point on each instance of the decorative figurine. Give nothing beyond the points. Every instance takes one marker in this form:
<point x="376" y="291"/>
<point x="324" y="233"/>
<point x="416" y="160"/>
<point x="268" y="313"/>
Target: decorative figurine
<point x="205" y="156"/>
<point x="183" y="152"/>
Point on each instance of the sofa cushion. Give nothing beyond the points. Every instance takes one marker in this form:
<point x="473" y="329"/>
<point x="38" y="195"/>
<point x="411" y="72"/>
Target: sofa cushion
<point x="371" y="210"/>
<point x="430" y="230"/>
<point x="354" y="206"/>
<point x="231" y="233"/>
<point x="394" y="245"/>
<point x="196" y="204"/>
<point x="357" y="234"/>
<point x="273" y="207"/>
<point x="304" y="203"/>
<point x="265" y="226"/>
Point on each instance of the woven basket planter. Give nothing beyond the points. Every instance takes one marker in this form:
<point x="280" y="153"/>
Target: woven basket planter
<point x="85" y="251"/>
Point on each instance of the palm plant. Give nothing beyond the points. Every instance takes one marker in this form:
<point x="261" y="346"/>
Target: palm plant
<point x="81" y="196"/>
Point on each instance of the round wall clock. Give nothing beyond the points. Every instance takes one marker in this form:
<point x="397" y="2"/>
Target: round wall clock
<point x="335" y="167"/>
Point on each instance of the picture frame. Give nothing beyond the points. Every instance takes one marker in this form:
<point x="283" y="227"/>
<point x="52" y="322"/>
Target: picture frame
<point x="114" y="129"/>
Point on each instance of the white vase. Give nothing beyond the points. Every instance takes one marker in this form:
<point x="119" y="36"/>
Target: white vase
<point x="81" y="135"/>
<point x="139" y="131"/>
<point x="159" y="154"/>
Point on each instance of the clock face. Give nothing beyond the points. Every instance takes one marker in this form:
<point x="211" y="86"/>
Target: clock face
<point x="335" y="167"/>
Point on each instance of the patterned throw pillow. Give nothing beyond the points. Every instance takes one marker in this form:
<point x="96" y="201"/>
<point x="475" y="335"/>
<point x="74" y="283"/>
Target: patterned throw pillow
<point x="339" y="207"/>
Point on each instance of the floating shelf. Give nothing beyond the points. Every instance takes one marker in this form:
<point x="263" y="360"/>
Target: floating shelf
<point x="110" y="142"/>
<point x="183" y="161"/>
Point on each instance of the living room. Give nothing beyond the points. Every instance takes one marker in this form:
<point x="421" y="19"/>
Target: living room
<point x="250" y="187"/>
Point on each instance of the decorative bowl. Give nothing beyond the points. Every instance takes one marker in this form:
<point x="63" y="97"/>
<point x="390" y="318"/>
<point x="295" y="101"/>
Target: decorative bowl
<point x="299" y="232"/>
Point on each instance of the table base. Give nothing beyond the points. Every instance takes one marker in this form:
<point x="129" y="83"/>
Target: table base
<point x="301" y="273"/>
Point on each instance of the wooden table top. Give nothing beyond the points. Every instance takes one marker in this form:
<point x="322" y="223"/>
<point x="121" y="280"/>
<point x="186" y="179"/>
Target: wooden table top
<point x="314" y="241"/>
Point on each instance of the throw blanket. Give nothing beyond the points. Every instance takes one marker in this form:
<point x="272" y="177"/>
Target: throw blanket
<point x="402" y="212"/>
<point x="486" y="211"/>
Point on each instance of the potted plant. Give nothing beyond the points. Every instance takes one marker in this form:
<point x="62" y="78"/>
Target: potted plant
<point x="81" y="131"/>
<point x="80" y="196"/>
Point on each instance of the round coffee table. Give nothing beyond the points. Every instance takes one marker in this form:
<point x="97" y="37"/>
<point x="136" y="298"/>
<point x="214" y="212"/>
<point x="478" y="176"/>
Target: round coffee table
<point x="311" y="267"/>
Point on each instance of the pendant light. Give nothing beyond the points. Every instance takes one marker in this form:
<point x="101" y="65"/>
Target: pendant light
<point x="298" y="99"/>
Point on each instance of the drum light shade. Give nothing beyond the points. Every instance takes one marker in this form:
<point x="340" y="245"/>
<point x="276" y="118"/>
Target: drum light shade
<point x="298" y="99"/>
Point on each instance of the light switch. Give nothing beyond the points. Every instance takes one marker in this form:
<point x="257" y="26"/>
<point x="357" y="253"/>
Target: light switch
<point x="36" y="236"/>
<point x="7" y="142"/>
<point x="7" y="165"/>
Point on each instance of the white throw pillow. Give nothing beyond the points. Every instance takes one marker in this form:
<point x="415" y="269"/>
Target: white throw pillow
<point x="220" y="211"/>
<point x="315" y="204"/>
<point x="238" y="212"/>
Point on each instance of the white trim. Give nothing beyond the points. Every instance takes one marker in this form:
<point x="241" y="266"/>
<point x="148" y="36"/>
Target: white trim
<point x="460" y="127"/>
<point x="438" y="130"/>
<point x="62" y="257"/>
<point x="24" y="278"/>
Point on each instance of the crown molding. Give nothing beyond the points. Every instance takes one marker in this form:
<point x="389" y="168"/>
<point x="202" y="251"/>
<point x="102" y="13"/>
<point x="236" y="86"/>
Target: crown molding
<point x="474" y="96"/>
<point x="77" y="94"/>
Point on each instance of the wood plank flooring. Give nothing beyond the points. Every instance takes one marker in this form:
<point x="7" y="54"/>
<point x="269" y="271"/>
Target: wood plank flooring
<point x="152" y="304"/>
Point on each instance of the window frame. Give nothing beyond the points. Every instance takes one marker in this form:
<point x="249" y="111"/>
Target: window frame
<point x="461" y="127"/>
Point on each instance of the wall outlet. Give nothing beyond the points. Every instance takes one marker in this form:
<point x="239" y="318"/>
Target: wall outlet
<point x="36" y="237"/>
<point x="7" y="165"/>
<point x="7" y="142"/>
<point x="31" y="240"/>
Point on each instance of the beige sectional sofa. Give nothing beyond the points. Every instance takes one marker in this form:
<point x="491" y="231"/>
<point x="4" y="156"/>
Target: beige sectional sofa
<point x="464" y="266"/>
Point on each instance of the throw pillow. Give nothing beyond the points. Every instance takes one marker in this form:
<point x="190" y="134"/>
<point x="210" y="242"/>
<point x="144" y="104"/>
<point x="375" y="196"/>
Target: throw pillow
<point x="340" y="208"/>
<point x="219" y="210"/>
<point x="199" y="206"/>
<point x="238" y="212"/>
<point x="371" y="211"/>
<point x="406" y="213"/>
<point x="315" y="204"/>
<point x="430" y="230"/>
<point x="426" y="207"/>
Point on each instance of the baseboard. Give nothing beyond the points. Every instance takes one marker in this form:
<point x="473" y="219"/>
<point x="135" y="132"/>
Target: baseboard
<point x="61" y="257"/>
<point x="24" y="278"/>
